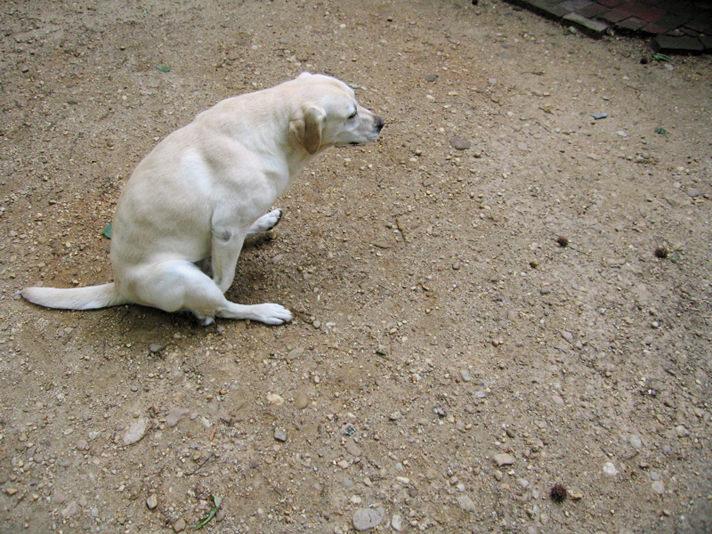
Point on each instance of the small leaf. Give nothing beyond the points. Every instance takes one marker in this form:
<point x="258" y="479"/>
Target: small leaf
<point x="163" y="68"/>
<point x="657" y="56"/>
<point x="217" y="501"/>
<point x="661" y="131"/>
<point x="106" y="232"/>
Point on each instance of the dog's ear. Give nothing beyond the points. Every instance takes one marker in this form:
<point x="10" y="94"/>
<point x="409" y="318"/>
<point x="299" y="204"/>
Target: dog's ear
<point x="307" y="128"/>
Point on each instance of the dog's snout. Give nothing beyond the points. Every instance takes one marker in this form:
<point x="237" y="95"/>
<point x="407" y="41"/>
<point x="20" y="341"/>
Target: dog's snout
<point x="379" y="123"/>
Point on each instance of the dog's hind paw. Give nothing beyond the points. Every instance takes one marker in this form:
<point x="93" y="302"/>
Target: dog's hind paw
<point x="266" y="222"/>
<point x="206" y="321"/>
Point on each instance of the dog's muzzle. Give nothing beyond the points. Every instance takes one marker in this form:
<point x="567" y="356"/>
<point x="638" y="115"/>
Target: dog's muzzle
<point x="379" y="124"/>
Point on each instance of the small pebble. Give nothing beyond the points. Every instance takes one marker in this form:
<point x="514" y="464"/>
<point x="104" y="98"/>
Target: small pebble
<point x="352" y="448"/>
<point x="599" y="115"/>
<point x="397" y="522"/>
<point x="275" y="399"/>
<point x="280" y="434"/>
<point x="301" y="400"/>
<point x="152" y="501"/>
<point x="70" y="510"/>
<point x="175" y="415"/>
<point x="367" y="518"/>
<point x="610" y="469"/>
<point x="466" y="503"/>
<point x="503" y="459"/>
<point x="460" y="143"/>
<point x="658" y="487"/>
<point x="155" y="348"/>
<point x="136" y="431"/>
<point x="466" y="376"/>
<point x="635" y="441"/>
<point x="179" y="526"/>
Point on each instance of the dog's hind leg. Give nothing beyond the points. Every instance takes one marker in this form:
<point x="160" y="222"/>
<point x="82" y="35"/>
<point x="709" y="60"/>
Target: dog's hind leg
<point x="226" y="247"/>
<point x="265" y="223"/>
<point x="179" y="285"/>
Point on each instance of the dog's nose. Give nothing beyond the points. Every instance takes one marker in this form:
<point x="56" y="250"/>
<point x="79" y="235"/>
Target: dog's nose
<point x="379" y="123"/>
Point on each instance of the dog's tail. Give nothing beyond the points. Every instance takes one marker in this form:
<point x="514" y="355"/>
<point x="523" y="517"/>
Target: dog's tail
<point x="75" y="298"/>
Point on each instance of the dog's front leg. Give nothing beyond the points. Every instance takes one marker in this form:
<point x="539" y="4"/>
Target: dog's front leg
<point x="226" y="247"/>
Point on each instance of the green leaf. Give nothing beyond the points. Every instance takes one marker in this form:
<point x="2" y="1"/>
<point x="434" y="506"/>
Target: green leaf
<point x="163" y="68"/>
<point x="106" y="232"/>
<point x="661" y="131"/>
<point x="217" y="501"/>
<point x="657" y="56"/>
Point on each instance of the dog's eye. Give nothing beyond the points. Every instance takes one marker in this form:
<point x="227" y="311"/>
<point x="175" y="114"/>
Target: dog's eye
<point x="353" y="115"/>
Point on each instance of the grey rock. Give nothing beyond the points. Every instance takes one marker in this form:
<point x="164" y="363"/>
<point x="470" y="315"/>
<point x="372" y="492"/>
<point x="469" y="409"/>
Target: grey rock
<point x="352" y="448"/>
<point x="152" y="501"/>
<point x="466" y="503"/>
<point x="610" y="469"/>
<point x="466" y="376"/>
<point x="694" y="193"/>
<point x="280" y="434"/>
<point x="503" y="459"/>
<point x="179" y="526"/>
<point x="301" y="400"/>
<point x="658" y="487"/>
<point x="635" y="441"/>
<point x="397" y="522"/>
<point x="368" y="518"/>
<point x="175" y="415"/>
<point x="599" y="115"/>
<point x="460" y="143"/>
<point x="431" y="77"/>
<point x="136" y="431"/>
<point x="70" y="510"/>
<point x="155" y="348"/>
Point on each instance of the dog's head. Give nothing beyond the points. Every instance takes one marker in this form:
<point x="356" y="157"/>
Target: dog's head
<point x="329" y="115"/>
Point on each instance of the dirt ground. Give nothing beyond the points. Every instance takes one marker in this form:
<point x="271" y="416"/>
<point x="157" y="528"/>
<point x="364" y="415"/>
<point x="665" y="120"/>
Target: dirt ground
<point x="440" y="328"/>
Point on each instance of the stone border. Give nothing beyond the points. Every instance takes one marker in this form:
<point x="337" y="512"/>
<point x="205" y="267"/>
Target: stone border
<point x="681" y="26"/>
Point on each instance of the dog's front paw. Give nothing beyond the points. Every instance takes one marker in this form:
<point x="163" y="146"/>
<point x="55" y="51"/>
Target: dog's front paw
<point x="272" y="314"/>
<point x="271" y="219"/>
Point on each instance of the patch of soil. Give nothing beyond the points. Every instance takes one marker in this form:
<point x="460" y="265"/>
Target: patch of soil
<point x="449" y="363"/>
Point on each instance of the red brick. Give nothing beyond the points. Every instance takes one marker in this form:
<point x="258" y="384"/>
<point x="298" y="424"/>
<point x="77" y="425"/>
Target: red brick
<point x="609" y="3"/>
<point x="614" y="15"/>
<point x="642" y="11"/>
<point x="594" y="10"/>
<point x="631" y="24"/>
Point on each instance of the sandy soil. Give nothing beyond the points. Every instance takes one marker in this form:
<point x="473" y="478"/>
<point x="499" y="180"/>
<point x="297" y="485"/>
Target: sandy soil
<point x="440" y="328"/>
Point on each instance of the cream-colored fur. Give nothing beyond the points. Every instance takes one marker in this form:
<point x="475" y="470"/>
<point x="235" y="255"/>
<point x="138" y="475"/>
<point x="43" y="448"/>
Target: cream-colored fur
<point x="206" y="187"/>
